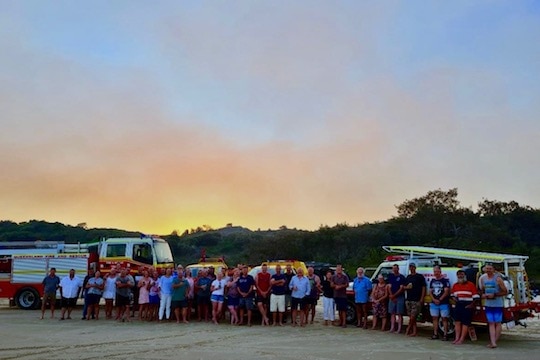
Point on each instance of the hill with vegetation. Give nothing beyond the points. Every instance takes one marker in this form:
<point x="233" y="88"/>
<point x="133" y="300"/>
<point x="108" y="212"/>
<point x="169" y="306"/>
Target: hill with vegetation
<point x="435" y="219"/>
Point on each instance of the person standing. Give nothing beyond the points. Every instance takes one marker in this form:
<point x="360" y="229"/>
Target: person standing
<point x="109" y="292"/>
<point x="70" y="286"/>
<point x="277" y="297"/>
<point x="439" y="290"/>
<point x="218" y="296"/>
<point x="379" y="301"/>
<point x="94" y="290"/>
<point x="50" y="283"/>
<point x="88" y="276"/>
<point x="245" y="289"/>
<point x="165" y="290"/>
<point x="300" y="290"/>
<point x="233" y="296"/>
<point x="203" y="295"/>
<point x="340" y="282"/>
<point x="262" y="283"/>
<point x="362" y="288"/>
<point x="288" y="277"/>
<point x="396" y="299"/>
<point x="415" y="291"/>
<point x="124" y="284"/>
<point x="313" y="297"/>
<point x="144" y="295"/>
<point x="466" y="296"/>
<point x="329" y="309"/>
<point x="180" y="289"/>
<point x="493" y="291"/>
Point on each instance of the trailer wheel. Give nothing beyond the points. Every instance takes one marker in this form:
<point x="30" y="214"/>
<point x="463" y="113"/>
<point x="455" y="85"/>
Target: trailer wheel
<point x="27" y="299"/>
<point x="451" y="326"/>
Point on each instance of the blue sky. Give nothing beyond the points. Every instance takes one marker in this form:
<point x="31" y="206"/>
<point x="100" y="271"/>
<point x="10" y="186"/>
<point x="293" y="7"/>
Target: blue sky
<point x="167" y="115"/>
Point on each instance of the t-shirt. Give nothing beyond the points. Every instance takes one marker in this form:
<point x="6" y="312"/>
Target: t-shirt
<point x="219" y="286"/>
<point x="437" y="287"/>
<point x="50" y="284"/>
<point x="313" y="281"/>
<point x="328" y="292"/>
<point x="179" y="293"/>
<point x="361" y="286"/>
<point x="396" y="281"/>
<point x="125" y="291"/>
<point x="342" y="279"/>
<point x="466" y="292"/>
<point x="94" y="290"/>
<point x="204" y="284"/>
<point x="418" y="282"/>
<point x="279" y="289"/>
<point x="245" y="284"/>
<point x="288" y="277"/>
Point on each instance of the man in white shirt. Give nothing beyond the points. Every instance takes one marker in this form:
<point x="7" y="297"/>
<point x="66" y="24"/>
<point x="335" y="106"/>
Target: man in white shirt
<point x="70" y="286"/>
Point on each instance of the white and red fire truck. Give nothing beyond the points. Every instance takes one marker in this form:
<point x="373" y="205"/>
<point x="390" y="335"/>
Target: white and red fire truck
<point x="24" y="264"/>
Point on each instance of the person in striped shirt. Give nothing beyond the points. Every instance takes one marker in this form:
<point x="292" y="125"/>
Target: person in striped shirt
<point x="466" y="296"/>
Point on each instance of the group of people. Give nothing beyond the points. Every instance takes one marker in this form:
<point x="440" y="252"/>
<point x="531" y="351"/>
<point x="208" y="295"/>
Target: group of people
<point x="158" y="297"/>
<point x="399" y="295"/>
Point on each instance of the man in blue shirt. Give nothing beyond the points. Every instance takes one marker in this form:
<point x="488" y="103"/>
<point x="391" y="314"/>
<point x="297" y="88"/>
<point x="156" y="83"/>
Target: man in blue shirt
<point x="277" y="297"/>
<point x="50" y="284"/>
<point x="300" y="289"/>
<point x="362" y="287"/>
<point x="396" y="295"/>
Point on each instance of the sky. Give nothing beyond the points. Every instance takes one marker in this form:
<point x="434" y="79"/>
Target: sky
<point x="167" y="115"/>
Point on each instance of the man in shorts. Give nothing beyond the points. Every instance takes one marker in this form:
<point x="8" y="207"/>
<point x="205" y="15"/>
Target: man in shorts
<point x="340" y="282"/>
<point x="396" y="299"/>
<point x="439" y="290"/>
<point x="262" y="282"/>
<point x="180" y="289"/>
<point x="245" y="289"/>
<point x="466" y="296"/>
<point x="415" y="291"/>
<point x="50" y="285"/>
<point x="300" y="290"/>
<point x="288" y="276"/>
<point x="277" y="297"/>
<point x="493" y="292"/>
<point x="70" y="286"/>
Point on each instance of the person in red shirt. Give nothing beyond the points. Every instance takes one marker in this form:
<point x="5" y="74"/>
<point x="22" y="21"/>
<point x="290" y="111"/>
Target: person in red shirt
<point x="262" y="282"/>
<point x="466" y="296"/>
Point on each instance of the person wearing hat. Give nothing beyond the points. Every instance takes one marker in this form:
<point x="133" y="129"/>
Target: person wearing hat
<point x="415" y="290"/>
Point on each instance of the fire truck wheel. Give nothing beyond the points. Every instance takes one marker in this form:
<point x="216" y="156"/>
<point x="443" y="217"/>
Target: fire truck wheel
<point x="351" y="313"/>
<point x="27" y="299"/>
<point x="451" y="326"/>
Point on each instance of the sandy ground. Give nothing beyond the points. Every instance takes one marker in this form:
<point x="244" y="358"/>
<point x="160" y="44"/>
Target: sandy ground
<point x="24" y="336"/>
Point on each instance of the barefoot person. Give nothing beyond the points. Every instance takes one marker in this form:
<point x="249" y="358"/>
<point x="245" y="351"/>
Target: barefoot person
<point x="94" y="290"/>
<point x="300" y="290"/>
<point x="396" y="299"/>
<point x="362" y="288"/>
<point x="50" y="283"/>
<point x="493" y="291"/>
<point x="340" y="282"/>
<point x="415" y="291"/>
<point x="379" y="299"/>
<point x="277" y="297"/>
<point x="70" y="287"/>
<point x="439" y="290"/>
<point x="465" y="294"/>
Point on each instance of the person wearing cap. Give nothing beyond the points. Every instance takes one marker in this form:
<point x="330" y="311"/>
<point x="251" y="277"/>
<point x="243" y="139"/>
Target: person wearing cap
<point x="415" y="291"/>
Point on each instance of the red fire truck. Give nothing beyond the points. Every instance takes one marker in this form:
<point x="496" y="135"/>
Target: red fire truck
<point x="24" y="264"/>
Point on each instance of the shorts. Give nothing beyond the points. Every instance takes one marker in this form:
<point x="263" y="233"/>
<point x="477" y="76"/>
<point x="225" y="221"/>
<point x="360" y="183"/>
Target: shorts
<point x="462" y="314"/>
<point x="413" y="308"/>
<point x="341" y="304"/>
<point x="92" y="299"/>
<point x="154" y="299"/>
<point x="203" y="300"/>
<point x="248" y="303"/>
<point x="494" y="314"/>
<point x="442" y="310"/>
<point x="51" y="297"/>
<point x="297" y="303"/>
<point x="264" y="300"/>
<point x="69" y="302"/>
<point x="122" y="300"/>
<point x="310" y="301"/>
<point x="179" y="304"/>
<point x="233" y="301"/>
<point x="217" y="298"/>
<point x="398" y="307"/>
<point x="277" y="303"/>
